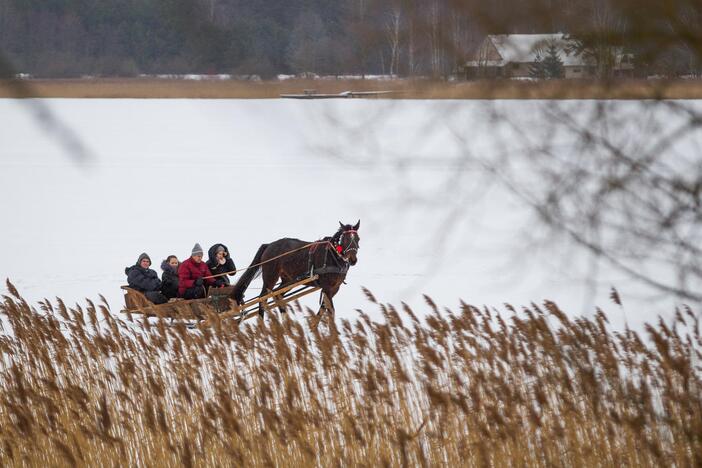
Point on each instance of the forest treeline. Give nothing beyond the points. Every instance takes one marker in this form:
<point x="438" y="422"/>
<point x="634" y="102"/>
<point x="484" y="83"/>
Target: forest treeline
<point x="66" y="38"/>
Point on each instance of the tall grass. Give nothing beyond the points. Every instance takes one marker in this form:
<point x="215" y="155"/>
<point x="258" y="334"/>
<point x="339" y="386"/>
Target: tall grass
<point x="468" y="388"/>
<point x="403" y="88"/>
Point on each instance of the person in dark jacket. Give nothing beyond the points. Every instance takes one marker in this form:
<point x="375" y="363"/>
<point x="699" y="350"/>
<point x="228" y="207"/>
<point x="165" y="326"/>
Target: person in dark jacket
<point x="191" y="276"/>
<point x="220" y="262"/>
<point x="169" y="277"/>
<point x="145" y="280"/>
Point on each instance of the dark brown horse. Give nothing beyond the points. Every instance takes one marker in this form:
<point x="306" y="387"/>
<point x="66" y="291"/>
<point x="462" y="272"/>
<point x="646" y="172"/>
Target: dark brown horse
<point x="329" y="258"/>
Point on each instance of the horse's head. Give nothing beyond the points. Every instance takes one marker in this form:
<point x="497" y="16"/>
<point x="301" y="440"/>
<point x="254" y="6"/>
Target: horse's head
<point x="348" y="241"/>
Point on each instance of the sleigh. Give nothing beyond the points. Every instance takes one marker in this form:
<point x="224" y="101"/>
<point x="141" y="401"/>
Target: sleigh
<point x="319" y="265"/>
<point x="218" y="305"/>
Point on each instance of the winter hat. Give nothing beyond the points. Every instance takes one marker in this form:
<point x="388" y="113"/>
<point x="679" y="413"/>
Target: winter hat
<point x="220" y="248"/>
<point x="142" y="257"/>
<point x="197" y="250"/>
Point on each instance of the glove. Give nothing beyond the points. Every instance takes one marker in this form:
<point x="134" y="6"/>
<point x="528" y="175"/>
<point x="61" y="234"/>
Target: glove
<point x="198" y="282"/>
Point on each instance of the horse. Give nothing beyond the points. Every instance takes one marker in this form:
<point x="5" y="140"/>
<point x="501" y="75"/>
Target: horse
<point x="292" y="259"/>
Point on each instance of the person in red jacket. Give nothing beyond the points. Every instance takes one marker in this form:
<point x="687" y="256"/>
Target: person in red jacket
<point x="191" y="273"/>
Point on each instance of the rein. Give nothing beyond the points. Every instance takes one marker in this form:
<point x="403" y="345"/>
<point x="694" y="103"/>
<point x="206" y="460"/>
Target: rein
<point x="269" y="260"/>
<point x="313" y="248"/>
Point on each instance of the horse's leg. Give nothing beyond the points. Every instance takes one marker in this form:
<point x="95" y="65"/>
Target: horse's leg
<point x="280" y="303"/>
<point x="322" y="303"/>
<point x="270" y="277"/>
<point x="315" y="319"/>
<point x="329" y="303"/>
<point x="284" y="281"/>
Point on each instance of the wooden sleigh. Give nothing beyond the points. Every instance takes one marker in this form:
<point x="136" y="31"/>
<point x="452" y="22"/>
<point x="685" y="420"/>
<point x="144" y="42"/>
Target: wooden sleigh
<point x="218" y="303"/>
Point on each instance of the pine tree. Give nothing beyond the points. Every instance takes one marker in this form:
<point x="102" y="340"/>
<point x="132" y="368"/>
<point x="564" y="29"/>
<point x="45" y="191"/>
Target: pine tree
<point x="536" y="69"/>
<point x="552" y="64"/>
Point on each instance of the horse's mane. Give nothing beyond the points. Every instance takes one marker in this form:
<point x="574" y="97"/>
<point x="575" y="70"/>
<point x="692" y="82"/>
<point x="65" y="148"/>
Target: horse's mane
<point x="336" y="237"/>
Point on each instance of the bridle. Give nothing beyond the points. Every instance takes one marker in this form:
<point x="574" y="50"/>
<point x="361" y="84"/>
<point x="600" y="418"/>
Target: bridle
<point x="352" y="245"/>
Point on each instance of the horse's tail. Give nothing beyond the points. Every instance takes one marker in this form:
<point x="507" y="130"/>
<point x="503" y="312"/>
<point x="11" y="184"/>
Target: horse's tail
<point x="248" y="276"/>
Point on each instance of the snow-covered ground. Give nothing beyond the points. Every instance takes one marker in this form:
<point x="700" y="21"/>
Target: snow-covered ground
<point x="164" y="174"/>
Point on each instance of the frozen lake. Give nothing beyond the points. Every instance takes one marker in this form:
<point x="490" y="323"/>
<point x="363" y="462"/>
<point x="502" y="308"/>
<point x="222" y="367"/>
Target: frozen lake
<point x="161" y="175"/>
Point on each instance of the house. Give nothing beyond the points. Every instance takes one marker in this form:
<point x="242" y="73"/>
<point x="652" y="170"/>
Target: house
<point x="513" y="56"/>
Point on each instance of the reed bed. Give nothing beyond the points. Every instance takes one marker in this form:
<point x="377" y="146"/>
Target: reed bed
<point x="475" y="387"/>
<point x="402" y="88"/>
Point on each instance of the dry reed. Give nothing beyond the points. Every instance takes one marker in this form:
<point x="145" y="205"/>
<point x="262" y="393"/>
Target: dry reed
<point x="403" y="88"/>
<point x="81" y="386"/>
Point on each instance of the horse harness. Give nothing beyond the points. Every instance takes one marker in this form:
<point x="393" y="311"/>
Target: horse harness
<point x="337" y="265"/>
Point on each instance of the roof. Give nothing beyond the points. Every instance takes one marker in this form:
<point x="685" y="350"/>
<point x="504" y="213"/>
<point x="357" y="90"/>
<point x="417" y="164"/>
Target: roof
<point x="498" y="50"/>
<point x="524" y="48"/>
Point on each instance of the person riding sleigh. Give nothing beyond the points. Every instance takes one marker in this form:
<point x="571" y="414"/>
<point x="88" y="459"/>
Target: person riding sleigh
<point x="193" y="276"/>
<point x="220" y="264"/>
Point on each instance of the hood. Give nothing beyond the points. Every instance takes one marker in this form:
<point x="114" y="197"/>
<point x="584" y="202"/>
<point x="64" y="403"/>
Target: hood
<point x="213" y="251"/>
<point x="165" y="266"/>
<point x="142" y="257"/>
<point x="137" y="264"/>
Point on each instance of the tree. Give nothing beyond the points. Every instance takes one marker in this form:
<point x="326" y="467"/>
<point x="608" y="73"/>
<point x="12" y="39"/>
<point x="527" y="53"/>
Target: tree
<point x="436" y="41"/>
<point x="537" y="69"/>
<point x="392" y="26"/>
<point x="550" y="67"/>
<point x="552" y="63"/>
<point x="308" y="44"/>
<point x="599" y="39"/>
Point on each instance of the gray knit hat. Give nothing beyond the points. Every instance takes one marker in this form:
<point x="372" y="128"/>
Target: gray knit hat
<point x="142" y="257"/>
<point x="220" y="248"/>
<point x="197" y="250"/>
